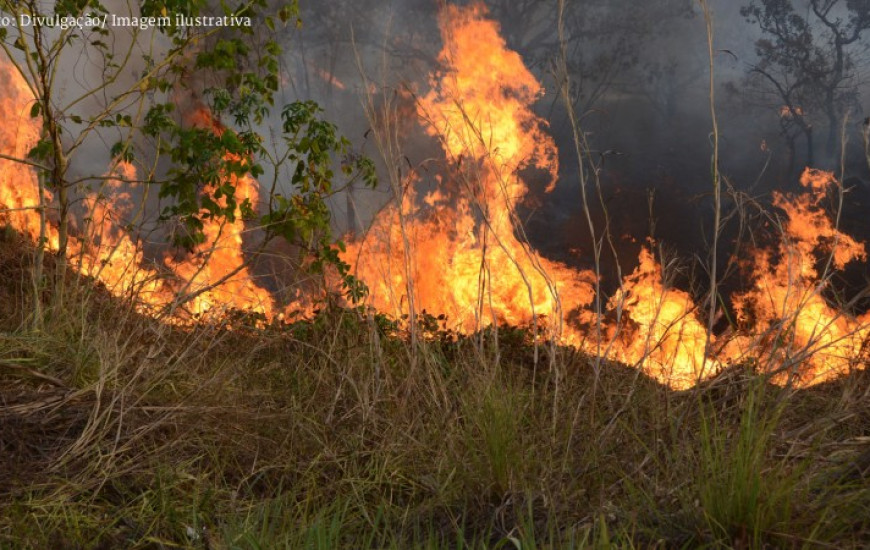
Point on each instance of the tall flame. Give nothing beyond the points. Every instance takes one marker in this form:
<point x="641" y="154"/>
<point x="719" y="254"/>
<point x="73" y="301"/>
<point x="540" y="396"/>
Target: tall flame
<point x="462" y="253"/>
<point x="664" y="335"/>
<point x="19" y="192"/>
<point x="806" y="338"/>
<point x="108" y="252"/>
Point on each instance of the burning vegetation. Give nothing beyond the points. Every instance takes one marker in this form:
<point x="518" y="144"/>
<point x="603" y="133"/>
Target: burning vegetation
<point x="459" y="251"/>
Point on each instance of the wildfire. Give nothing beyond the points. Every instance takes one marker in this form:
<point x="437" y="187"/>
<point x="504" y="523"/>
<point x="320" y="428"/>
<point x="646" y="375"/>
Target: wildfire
<point x="667" y="339"/>
<point x="474" y="268"/>
<point x="456" y="251"/>
<point x="19" y="192"/>
<point x="109" y="254"/>
<point x="459" y="250"/>
<point x="328" y="77"/>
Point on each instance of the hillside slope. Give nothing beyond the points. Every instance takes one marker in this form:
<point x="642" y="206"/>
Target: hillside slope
<point x="119" y="431"/>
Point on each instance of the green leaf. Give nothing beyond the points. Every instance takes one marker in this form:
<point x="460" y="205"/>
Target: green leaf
<point x="42" y="150"/>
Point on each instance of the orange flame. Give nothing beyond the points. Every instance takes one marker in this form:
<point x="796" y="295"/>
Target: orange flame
<point x="459" y="254"/>
<point x="807" y="340"/>
<point x="216" y="272"/>
<point x="108" y="252"/>
<point x="464" y="259"/>
<point x="667" y="340"/>
<point x="19" y="192"/>
<point x="788" y="112"/>
<point x="215" y="275"/>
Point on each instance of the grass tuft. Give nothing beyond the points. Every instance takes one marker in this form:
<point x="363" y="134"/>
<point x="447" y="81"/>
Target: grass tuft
<point x="119" y="432"/>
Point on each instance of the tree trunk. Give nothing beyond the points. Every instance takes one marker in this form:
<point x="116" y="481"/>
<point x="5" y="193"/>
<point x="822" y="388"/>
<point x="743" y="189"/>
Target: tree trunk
<point x="58" y="181"/>
<point x="39" y="254"/>
<point x="352" y="221"/>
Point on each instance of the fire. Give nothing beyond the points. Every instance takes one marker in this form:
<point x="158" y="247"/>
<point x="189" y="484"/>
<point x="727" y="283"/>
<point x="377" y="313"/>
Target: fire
<point x="477" y="272"/>
<point x="19" y="192"/>
<point x="216" y="272"/>
<point x="328" y="77"/>
<point x="109" y="254"/>
<point x="667" y="340"/>
<point x="788" y="112"/>
<point x="455" y="250"/>
<point x="806" y="339"/>
<point x="461" y="256"/>
<point x="215" y="276"/>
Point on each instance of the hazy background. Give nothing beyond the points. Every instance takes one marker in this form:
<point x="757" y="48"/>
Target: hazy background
<point x="641" y="74"/>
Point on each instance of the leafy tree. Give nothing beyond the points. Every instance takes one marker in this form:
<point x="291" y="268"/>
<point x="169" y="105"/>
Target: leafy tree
<point x="808" y="57"/>
<point x="144" y="73"/>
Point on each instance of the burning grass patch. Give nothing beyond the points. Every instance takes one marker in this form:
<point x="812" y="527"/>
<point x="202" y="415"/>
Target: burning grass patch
<point x="341" y="434"/>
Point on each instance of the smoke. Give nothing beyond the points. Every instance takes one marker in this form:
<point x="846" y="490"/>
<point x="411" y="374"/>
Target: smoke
<point x="640" y="74"/>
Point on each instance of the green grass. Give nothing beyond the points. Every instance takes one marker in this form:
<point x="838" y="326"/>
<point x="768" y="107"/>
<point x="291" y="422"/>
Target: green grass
<point x="335" y="434"/>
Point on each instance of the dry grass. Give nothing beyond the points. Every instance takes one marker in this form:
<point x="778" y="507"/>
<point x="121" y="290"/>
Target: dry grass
<point x="117" y="431"/>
